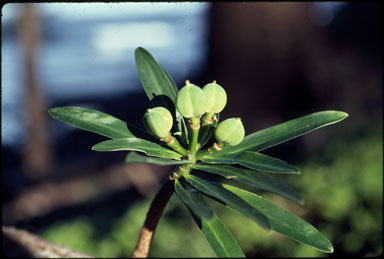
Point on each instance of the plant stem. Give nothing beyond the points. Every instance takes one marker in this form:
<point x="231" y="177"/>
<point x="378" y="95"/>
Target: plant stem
<point x="195" y="127"/>
<point x="214" y="148"/>
<point x="205" y="130"/>
<point x="173" y="143"/>
<point x="193" y="142"/>
<point x="152" y="219"/>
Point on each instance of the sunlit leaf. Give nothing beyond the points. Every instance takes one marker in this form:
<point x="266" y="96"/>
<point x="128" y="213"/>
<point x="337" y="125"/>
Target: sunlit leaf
<point x="252" y="160"/>
<point x="136" y="144"/>
<point x="285" y="222"/>
<point x="216" y="191"/>
<point x="134" y="157"/>
<point x="193" y="199"/>
<point x="256" y="179"/>
<point x="280" y="133"/>
<point x="219" y="237"/>
<point x="158" y="85"/>
<point x="160" y="88"/>
<point x="94" y="121"/>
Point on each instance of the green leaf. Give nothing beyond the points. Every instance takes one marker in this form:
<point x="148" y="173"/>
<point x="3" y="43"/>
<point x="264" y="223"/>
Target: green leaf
<point x="134" y="157"/>
<point x="220" y="238"/>
<point x="256" y="179"/>
<point x="193" y="199"/>
<point x="158" y="85"/>
<point x="136" y="144"/>
<point x="94" y="121"/>
<point x="285" y="222"/>
<point x="252" y="160"/>
<point x="216" y="191"/>
<point x="160" y="88"/>
<point x="280" y="133"/>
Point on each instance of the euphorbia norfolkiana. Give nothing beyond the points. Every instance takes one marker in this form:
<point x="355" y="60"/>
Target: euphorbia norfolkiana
<point x="179" y="125"/>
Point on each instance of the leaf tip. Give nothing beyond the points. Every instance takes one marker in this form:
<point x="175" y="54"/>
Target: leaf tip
<point x="297" y="170"/>
<point x="329" y="248"/>
<point x="52" y="111"/>
<point x="343" y="115"/>
<point x="95" y="147"/>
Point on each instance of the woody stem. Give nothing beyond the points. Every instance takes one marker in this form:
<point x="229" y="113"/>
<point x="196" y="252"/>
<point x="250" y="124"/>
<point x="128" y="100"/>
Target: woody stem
<point x="152" y="219"/>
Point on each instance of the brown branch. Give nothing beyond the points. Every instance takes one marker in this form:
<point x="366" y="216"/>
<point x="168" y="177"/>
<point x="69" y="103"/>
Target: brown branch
<point x="20" y="243"/>
<point x="153" y="216"/>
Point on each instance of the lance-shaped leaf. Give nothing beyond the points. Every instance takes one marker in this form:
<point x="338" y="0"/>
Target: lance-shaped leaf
<point x="256" y="179"/>
<point x="94" y="121"/>
<point x="159" y="87"/>
<point x="252" y="160"/>
<point x="216" y="191"/>
<point x="136" y="144"/>
<point x="193" y="199"/>
<point x="134" y="157"/>
<point x="285" y="222"/>
<point x="219" y="237"/>
<point x="285" y="131"/>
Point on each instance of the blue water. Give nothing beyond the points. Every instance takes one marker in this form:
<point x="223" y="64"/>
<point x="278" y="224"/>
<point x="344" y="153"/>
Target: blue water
<point x="87" y="50"/>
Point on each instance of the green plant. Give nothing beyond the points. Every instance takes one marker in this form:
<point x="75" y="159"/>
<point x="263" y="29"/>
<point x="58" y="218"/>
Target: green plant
<point x="235" y="160"/>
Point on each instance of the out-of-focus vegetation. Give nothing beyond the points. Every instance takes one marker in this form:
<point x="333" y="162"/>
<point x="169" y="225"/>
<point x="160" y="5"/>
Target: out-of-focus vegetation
<point x="341" y="184"/>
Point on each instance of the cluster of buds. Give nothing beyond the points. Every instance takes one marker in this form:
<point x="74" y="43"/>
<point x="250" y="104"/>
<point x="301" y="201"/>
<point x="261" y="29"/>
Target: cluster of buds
<point x="195" y="103"/>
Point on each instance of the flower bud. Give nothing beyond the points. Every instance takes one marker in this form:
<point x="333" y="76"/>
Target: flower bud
<point x="191" y="101"/>
<point x="230" y="132"/>
<point x="216" y="97"/>
<point x="158" y="121"/>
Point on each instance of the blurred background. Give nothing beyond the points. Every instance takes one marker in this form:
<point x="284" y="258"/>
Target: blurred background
<point x="277" y="61"/>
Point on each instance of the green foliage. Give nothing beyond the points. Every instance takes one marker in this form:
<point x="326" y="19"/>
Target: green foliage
<point x="134" y="157"/>
<point x="231" y="158"/>
<point x="136" y="144"/>
<point x="252" y="160"/>
<point x="354" y="225"/>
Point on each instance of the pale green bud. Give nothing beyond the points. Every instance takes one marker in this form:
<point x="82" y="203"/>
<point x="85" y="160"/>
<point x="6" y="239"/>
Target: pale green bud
<point x="230" y="132"/>
<point x="158" y="121"/>
<point x="191" y="101"/>
<point x="216" y="96"/>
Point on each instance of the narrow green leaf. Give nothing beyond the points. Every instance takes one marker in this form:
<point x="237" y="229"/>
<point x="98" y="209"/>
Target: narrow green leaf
<point x="280" y="133"/>
<point x="193" y="199"/>
<point x="252" y="160"/>
<point x="256" y="179"/>
<point x="285" y="222"/>
<point x="160" y="88"/>
<point x="93" y="120"/>
<point x="216" y="191"/>
<point x="158" y="85"/>
<point x="134" y="157"/>
<point x="220" y="238"/>
<point x="136" y="144"/>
